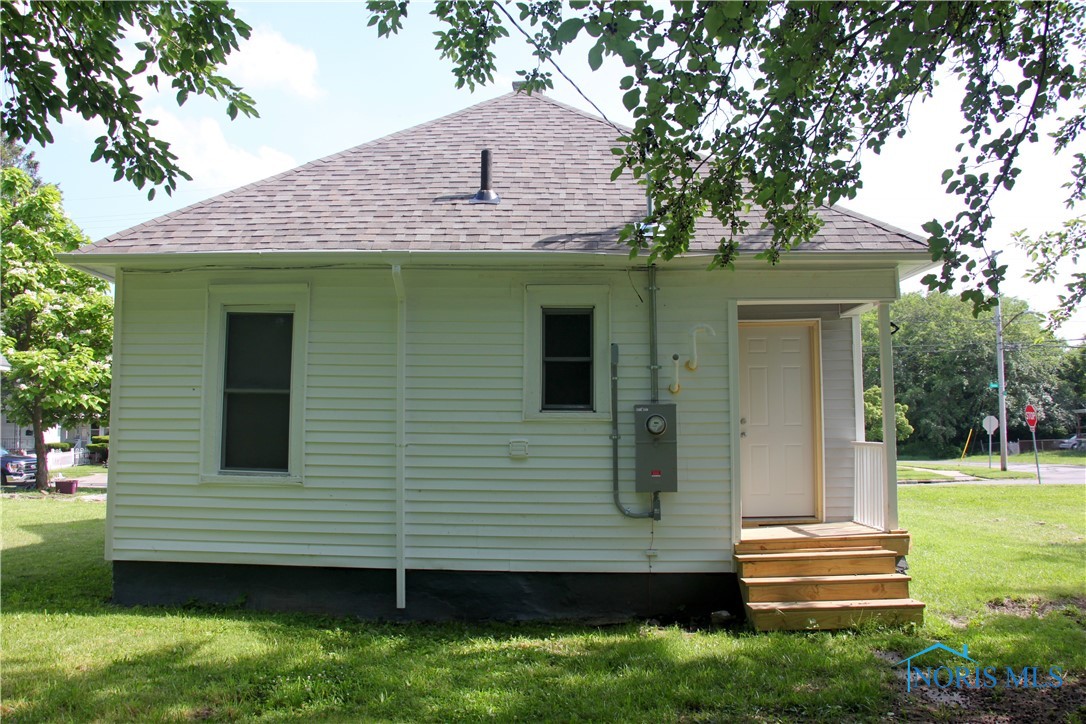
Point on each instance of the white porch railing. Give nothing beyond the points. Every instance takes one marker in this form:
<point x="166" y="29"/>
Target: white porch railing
<point x="870" y="504"/>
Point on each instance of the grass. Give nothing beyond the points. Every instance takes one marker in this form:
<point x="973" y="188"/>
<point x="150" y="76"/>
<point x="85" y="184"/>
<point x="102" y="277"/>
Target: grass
<point x="976" y="471"/>
<point x="70" y="655"/>
<point x="908" y="474"/>
<point x="79" y="471"/>
<point x="1046" y="457"/>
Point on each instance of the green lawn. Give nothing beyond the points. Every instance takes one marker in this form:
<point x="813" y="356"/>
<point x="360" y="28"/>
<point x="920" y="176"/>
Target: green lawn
<point x="976" y="471"/>
<point x="908" y="474"/>
<point x="69" y="655"/>
<point x="79" y="471"/>
<point x="1051" y="457"/>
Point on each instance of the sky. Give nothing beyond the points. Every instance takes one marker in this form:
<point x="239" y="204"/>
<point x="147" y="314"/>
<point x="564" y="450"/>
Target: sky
<point x="323" y="82"/>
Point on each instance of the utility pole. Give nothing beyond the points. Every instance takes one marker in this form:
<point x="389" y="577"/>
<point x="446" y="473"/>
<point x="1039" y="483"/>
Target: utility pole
<point x="1000" y="379"/>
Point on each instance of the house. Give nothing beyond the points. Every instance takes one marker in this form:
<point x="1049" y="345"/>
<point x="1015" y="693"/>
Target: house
<point x="377" y="385"/>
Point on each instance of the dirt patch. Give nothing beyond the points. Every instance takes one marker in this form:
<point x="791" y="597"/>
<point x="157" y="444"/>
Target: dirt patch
<point x="1029" y="606"/>
<point x="997" y="705"/>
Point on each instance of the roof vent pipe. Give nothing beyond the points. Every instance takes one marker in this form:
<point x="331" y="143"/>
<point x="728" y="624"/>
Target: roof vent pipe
<point x="485" y="195"/>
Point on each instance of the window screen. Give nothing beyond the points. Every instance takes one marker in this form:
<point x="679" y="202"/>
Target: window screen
<point x="567" y="359"/>
<point x="256" y="391"/>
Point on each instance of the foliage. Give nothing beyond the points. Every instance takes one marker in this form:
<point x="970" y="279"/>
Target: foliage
<point x="1073" y="373"/>
<point x="771" y="104"/>
<point x="57" y="322"/>
<point x="61" y="446"/>
<point x="873" y="416"/>
<point x="944" y="360"/>
<point x="1053" y="252"/>
<point x="180" y="40"/>
<point x="14" y="155"/>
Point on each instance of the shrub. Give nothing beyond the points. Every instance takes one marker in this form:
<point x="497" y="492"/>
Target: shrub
<point x="100" y="447"/>
<point x="62" y="446"/>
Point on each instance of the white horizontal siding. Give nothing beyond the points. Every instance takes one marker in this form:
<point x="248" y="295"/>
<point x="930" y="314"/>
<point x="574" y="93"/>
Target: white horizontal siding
<point x="468" y="505"/>
<point x="342" y="515"/>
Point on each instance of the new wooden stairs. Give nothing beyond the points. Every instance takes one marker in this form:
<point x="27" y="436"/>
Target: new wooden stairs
<point x="824" y="576"/>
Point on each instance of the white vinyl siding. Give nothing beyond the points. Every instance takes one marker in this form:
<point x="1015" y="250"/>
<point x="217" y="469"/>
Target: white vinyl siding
<point x="468" y="503"/>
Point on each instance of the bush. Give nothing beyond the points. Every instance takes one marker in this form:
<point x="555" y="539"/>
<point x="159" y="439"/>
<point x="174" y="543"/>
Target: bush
<point x="100" y="447"/>
<point x="62" y="446"/>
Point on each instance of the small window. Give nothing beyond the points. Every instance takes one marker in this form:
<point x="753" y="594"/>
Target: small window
<point x="567" y="359"/>
<point x="256" y="391"/>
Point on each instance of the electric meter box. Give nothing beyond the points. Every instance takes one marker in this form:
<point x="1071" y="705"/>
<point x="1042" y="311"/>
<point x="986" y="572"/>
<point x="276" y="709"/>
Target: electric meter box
<point x="656" y="443"/>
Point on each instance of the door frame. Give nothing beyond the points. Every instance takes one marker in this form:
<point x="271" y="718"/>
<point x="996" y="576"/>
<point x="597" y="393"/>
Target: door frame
<point x="814" y="333"/>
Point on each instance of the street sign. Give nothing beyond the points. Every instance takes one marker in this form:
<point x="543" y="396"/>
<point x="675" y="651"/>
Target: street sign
<point x="1031" y="417"/>
<point x="990" y="424"/>
<point x="993" y="385"/>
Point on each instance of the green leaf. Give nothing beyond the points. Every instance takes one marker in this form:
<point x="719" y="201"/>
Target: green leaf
<point x="631" y="98"/>
<point x="595" y="56"/>
<point x="568" y="30"/>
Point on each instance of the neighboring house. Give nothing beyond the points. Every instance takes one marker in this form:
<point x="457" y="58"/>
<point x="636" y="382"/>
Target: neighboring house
<point x="350" y="388"/>
<point x="21" y="437"/>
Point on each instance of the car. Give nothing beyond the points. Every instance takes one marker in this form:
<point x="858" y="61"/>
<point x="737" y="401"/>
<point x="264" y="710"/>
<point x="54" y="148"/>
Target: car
<point x="1075" y="442"/>
<point x="17" y="469"/>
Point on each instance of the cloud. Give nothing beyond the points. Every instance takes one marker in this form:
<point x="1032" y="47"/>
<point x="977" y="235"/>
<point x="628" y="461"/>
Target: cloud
<point x="268" y="60"/>
<point x="213" y="162"/>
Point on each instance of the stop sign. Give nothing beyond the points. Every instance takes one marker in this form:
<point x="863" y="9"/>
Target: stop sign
<point x="1031" y="417"/>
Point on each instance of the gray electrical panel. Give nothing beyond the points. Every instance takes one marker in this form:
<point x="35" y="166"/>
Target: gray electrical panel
<point x="656" y="442"/>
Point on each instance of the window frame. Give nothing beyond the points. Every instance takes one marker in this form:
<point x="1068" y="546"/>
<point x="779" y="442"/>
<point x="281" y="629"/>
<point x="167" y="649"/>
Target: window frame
<point x="223" y="299"/>
<point x="573" y="297"/>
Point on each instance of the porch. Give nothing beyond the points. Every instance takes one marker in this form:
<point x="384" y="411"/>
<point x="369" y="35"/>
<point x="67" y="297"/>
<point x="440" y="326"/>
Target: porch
<point x="824" y="576"/>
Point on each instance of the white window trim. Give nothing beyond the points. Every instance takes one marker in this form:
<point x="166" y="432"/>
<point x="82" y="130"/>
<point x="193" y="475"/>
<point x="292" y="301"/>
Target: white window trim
<point x="223" y="298"/>
<point x="570" y="296"/>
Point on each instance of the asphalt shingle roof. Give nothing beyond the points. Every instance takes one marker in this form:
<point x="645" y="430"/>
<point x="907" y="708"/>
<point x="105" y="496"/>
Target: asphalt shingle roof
<point x="409" y="191"/>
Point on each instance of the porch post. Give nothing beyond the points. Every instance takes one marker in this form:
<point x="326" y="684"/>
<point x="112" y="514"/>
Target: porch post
<point x="889" y="418"/>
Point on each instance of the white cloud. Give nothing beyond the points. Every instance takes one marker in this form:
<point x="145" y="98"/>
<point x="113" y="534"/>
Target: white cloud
<point x="213" y="162"/>
<point x="268" y="60"/>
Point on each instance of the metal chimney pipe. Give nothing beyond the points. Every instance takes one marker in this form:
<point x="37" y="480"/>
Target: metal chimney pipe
<point x="485" y="195"/>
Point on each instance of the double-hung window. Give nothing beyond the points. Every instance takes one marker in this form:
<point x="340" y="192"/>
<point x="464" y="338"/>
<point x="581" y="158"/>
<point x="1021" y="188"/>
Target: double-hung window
<point x="254" y="383"/>
<point x="566" y="352"/>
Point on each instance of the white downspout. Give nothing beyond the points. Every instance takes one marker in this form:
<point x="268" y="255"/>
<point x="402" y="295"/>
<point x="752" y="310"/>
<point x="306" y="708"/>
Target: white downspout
<point x="401" y="436"/>
<point x="889" y="417"/>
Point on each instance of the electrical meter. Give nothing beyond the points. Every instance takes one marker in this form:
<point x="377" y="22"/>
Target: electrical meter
<point x="656" y="446"/>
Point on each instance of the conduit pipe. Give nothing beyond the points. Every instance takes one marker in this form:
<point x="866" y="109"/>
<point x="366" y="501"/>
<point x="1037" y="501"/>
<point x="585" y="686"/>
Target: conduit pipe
<point x="655" y="512"/>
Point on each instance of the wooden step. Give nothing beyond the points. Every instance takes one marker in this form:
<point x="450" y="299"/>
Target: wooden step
<point x="871" y="586"/>
<point x="829" y="562"/>
<point x="897" y="542"/>
<point x="806" y="615"/>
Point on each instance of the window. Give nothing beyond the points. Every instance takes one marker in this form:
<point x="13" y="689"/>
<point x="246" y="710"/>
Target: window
<point x="567" y="359"/>
<point x="256" y="391"/>
<point x="566" y="351"/>
<point x="254" y="383"/>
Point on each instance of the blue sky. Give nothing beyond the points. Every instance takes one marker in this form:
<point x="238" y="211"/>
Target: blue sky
<point x="324" y="82"/>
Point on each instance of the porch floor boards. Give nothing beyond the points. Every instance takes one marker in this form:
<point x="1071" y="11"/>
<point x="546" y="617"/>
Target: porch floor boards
<point x="824" y="576"/>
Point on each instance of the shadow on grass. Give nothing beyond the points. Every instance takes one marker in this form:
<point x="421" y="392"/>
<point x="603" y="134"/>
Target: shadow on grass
<point x="97" y="661"/>
<point x="315" y="670"/>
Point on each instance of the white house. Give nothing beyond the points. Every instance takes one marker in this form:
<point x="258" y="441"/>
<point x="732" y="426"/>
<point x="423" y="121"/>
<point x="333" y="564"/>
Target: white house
<point x="354" y="388"/>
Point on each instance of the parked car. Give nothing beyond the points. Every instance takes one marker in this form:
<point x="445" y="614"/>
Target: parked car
<point x="1075" y="442"/>
<point x="17" y="469"/>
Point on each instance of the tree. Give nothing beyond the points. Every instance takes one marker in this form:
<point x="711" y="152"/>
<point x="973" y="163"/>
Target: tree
<point x="14" y="155"/>
<point x="57" y="323"/>
<point x="873" y="416"/>
<point x="1051" y="252"/>
<point x="772" y="103"/>
<point x="179" y="40"/>
<point x="944" y="362"/>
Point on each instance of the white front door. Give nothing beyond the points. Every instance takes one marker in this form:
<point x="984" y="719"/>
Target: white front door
<point x="780" y="419"/>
